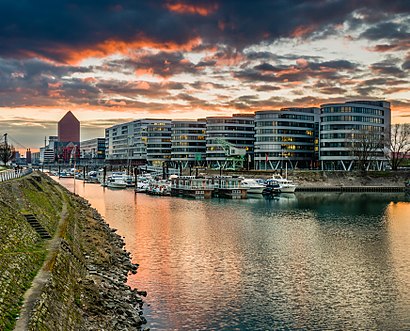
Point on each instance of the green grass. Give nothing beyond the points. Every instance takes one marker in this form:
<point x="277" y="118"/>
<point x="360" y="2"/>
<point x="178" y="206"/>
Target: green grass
<point x="27" y="254"/>
<point x="15" y="299"/>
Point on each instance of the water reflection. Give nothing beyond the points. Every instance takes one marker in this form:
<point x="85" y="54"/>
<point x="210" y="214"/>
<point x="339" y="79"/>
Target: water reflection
<point x="305" y="261"/>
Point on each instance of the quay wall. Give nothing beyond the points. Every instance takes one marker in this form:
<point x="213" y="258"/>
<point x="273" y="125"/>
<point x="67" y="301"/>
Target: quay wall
<point x="310" y="180"/>
<point x="74" y="281"/>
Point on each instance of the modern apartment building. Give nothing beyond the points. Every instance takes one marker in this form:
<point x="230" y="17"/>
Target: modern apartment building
<point x="236" y="130"/>
<point x="158" y="142"/>
<point x="117" y="142"/>
<point x="139" y="142"/>
<point x="188" y="142"/>
<point x="93" y="148"/>
<point x="286" y="137"/>
<point x="47" y="155"/>
<point x="347" y="130"/>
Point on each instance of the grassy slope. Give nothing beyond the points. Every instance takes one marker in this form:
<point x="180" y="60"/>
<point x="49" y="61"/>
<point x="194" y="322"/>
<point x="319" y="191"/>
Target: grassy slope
<point x="22" y="251"/>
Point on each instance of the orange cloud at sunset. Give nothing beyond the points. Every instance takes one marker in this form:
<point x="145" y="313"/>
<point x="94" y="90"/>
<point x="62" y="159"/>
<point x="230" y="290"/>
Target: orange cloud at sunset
<point x="302" y="31"/>
<point x="183" y="8"/>
<point x="110" y="47"/>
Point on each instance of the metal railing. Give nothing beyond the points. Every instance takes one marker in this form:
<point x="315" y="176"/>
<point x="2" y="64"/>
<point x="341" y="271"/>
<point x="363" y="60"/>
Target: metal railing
<point x="12" y="174"/>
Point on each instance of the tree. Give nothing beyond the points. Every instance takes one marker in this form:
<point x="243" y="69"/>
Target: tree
<point x="7" y="152"/>
<point x="367" y="147"/>
<point x="398" y="145"/>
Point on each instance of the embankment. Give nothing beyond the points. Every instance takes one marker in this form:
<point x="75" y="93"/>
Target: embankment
<point x="312" y="178"/>
<point x="74" y="281"/>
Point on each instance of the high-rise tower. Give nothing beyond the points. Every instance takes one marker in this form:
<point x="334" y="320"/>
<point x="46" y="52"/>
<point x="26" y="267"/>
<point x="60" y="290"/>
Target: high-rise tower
<point x="69" y="128"/>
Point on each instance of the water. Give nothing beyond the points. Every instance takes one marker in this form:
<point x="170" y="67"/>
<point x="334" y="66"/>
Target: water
<point x="314" y="261"/>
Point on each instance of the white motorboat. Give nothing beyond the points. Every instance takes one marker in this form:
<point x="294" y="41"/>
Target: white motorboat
<point x="252" y="186"/>
<point x="116" y="181"/>
<point x="142" y="187"/>
<point x="285" y="185"/>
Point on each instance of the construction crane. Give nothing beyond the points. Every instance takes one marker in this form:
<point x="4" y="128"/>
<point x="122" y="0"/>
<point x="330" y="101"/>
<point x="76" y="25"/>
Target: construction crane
<point x="234" y="156"/>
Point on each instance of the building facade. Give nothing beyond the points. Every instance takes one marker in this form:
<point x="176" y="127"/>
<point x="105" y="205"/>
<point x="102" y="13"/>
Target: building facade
<point x="352" y="134"/>
<point x="47" y="155"/>
<point x="308" y="138"/>
<point x="139" y="142"/>
<point x="286" y="137"/>
<point x="188" y="142"/>
<point x="159" y="142"/>
<point x="93" y="149"/>
<point x="118" y="142"/>
<point x="225" y="131"/>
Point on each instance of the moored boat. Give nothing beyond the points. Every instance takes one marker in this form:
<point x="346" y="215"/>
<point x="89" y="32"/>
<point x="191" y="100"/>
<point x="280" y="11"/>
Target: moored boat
<point x="285" y="185"/>
<point x="160" y="187"/>
<point x="198" y="188"/>
<point x="272" y="188"/>
<point x="116" y="181"/>
<point x="252" y="186"/>
<point x="228" y="187"/>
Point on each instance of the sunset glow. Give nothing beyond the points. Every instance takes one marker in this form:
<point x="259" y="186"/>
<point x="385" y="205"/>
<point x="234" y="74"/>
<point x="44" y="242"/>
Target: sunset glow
<point x="188" y="59"/>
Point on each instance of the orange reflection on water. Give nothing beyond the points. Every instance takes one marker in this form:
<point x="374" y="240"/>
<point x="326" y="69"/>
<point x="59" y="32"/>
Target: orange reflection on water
<point x="314" y="261"/>
<point x="398" y="224"/>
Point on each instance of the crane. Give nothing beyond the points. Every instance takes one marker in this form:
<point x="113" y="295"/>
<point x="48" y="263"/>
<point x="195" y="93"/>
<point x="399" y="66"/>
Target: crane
<point x="234" y="156"/>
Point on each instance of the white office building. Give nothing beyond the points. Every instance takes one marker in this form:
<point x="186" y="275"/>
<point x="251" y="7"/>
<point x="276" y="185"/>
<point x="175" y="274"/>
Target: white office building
<point x="139" y="142"/>
<point x="224" y="132"/>
<point x="188" y="140"/>
<point x="286" y="138"/>
<point x="344" y="126"/>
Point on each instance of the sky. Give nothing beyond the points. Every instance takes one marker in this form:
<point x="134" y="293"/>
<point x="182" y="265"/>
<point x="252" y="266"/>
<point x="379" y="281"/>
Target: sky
<point x="115" y="61"/>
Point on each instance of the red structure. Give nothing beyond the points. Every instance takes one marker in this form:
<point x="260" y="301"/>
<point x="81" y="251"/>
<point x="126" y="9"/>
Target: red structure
<point x="28" y="156"/>
<point x="69" y="129"/>
<point x="70" y="152"/>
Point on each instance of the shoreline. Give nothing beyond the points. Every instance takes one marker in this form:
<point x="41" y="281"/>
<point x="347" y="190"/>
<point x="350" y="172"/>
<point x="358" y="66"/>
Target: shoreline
<point x="82" y="282"/>
<point x="318" y="178"/>
<point x="121" y="303"/>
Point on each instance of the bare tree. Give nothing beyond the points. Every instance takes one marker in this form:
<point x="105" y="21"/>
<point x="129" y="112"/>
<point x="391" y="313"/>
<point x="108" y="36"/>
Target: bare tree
<point x="398" y="145"/>
<point x="367" y="147"/>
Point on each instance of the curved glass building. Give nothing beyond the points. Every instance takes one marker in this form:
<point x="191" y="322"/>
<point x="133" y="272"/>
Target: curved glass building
<point x="352" y="135"/>
<point x="287" y="135"/>
<point x="236" y="130"/>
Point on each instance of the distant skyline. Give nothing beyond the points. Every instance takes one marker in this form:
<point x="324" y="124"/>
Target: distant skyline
<point x="114" y="61"/>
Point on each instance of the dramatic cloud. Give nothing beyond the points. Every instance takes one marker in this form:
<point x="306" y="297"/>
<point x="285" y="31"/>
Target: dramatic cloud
<point x="186" y="58"/>
<point x="51" y="29"/>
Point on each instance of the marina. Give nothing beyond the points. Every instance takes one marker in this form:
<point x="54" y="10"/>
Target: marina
<point x="205" y="187"/>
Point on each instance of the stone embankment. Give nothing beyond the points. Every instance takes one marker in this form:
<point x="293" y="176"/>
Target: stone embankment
<point x="81" y="272"/>
<point x="342" y="178"/>
<point x="314" y="178"/>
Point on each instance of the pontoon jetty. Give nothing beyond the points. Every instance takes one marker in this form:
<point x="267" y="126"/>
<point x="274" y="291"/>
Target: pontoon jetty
<point x="205" y="188"/>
